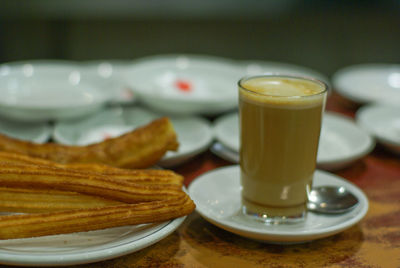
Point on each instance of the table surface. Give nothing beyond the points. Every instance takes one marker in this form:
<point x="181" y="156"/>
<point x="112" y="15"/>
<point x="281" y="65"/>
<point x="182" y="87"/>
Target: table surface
<point x="374" y="242"/>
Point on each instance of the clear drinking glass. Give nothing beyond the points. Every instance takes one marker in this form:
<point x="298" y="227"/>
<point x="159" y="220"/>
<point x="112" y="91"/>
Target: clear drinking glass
<point x="280" y="123"/>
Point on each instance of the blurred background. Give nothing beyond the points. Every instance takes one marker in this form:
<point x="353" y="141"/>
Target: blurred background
<point x="323" y="35"/>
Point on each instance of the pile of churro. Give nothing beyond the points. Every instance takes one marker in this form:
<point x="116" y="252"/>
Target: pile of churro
<point x="83" y="188"/>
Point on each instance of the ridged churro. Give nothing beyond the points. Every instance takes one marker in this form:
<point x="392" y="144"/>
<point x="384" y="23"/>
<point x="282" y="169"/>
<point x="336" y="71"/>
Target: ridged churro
<point x="31" y="225"/>
<point x="140" y="148"/>
<point x="82" y="188"/>
<point x="41" y="177"/>
<point x="141" y="176"/>
<point x="39" y="201"/>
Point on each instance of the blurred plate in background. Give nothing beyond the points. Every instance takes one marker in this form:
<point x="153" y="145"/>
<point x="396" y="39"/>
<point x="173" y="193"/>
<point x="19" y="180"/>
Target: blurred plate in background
<point x="110" y="72"/>
<point x="342" y="142"/>
<point x="185" y="84"/>
<point x="48" y="90"/>
<point x="194" y="133"/>
<point x="382" y="122"/>
<point x="33" y="132"/>
<point x="369" y="83"/>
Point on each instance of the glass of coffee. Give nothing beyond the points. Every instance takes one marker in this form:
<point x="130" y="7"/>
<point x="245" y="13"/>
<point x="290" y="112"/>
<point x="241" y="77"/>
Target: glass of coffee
<point x="280" y="123"/>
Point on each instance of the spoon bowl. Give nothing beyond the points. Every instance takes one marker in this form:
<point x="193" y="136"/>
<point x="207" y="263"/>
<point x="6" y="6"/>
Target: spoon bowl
<point x="331" y="200"/>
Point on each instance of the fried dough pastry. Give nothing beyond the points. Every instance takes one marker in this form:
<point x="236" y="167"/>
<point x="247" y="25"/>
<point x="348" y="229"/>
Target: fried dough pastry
<point x="39" y="201"/>
<point x="41" y="224"/>
<point x="140" y="148"/>
<point x="42" y="177"/>
<point x="141" y="176"/>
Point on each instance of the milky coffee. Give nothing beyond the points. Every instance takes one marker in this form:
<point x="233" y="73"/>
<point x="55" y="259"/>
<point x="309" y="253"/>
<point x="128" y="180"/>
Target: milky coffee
<point x="280" y="122"/>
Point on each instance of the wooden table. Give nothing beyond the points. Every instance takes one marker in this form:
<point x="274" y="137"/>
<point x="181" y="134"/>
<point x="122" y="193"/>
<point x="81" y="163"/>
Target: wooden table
<point x="374" y="242"/>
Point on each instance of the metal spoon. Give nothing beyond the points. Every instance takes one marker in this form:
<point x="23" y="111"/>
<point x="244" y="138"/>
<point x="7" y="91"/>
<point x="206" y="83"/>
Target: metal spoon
<point x="331" y="200"/>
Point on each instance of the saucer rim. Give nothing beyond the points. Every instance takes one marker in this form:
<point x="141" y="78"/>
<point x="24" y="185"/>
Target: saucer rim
<point x="288" y="236"/>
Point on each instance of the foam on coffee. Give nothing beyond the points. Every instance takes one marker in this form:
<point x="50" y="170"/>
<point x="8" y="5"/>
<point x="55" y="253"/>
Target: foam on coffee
<point x="283" y="91"/>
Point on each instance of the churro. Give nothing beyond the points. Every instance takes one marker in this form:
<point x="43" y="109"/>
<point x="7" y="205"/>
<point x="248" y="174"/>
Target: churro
<point x="141" y="176"/>
<point x="82" y="188"/>
<point x="140" y="148"/>
<point x="31" y="225"/>
<point x="39" y="201"/>
<point x="42" y="177"/>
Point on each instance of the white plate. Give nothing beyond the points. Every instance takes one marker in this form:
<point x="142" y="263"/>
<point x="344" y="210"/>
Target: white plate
<point x="34" y="132"/>
<point x="46" y="90"/>
<point x="85" y="247"/>
<point x="366" y="83"/>
<point x="194" y="133"/>
<point x="342" y="142"/>
<point x="262" y="67"/>
<point x="185" y="84"/>
<point x="226" y="131"/>
<point x="383" y="122"/>
<point x="224" y="152"/>
<point x="110" y="72"/>
<point x="217" y="195"/>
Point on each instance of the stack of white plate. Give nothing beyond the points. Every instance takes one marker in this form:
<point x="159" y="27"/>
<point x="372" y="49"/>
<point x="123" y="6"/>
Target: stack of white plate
<point x="75" y="95"/>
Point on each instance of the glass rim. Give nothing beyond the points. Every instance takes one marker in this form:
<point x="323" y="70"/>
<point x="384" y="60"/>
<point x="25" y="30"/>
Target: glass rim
<point x="324" y="85"/>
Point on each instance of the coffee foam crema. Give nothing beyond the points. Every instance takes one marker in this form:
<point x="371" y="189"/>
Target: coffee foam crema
<point x="282" y="91"/>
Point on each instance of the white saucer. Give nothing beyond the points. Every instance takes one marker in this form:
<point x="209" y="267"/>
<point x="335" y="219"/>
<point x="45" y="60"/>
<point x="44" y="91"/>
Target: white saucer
<point x="46" y="90"/>
<point x="366" y="83"/>
<point x="262" y="67"/>
<point x="226" y="131"/>
<point x="194" y="133"/>
<point x="224" y="152"/>
<point x="185" y="84"/>
<point x="218" y="199"/>
<point x="110" y="72"/>
<point x="85" y="247"/>
<point x="342" y="142"/>
<point x="34" y="132"/>
<point x="382" y="122"/>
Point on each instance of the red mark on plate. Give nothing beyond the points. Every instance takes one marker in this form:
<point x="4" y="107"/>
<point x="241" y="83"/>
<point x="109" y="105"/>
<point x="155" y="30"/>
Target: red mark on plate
<point x="127" y="94"/>
<point x="183" y="85"/>
<point x="106" y="136"/>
